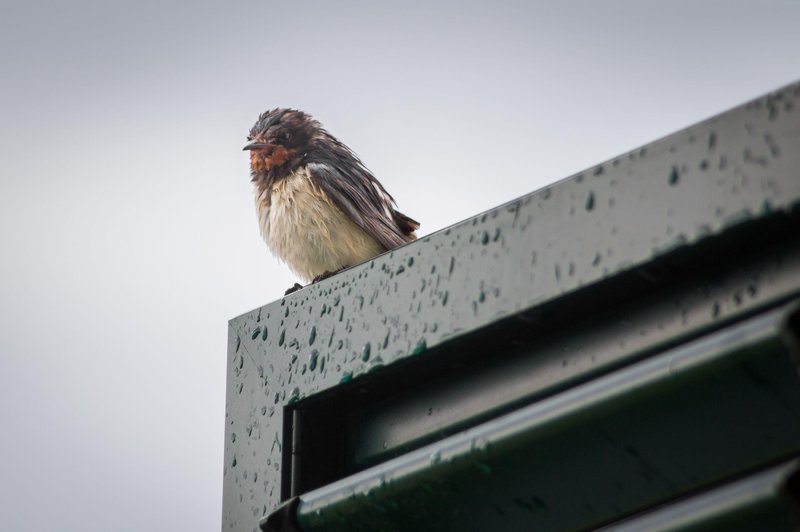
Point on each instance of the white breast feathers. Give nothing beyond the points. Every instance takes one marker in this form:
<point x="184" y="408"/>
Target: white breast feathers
<point x="306" y="230"/>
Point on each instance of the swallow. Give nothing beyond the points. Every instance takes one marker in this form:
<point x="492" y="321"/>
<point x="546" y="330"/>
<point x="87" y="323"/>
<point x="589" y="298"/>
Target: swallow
<point x="320" y="210"/>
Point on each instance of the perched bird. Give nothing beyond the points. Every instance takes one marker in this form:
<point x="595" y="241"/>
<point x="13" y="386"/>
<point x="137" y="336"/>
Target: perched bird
<point x="320" y="209"/>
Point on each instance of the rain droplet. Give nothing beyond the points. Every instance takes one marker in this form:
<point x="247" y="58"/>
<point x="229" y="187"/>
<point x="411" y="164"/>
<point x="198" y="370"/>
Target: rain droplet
<point x="712" y="140"/>
<point x="386" y="339"/>
<point x="590" y="201"/>
<point x="312" y="336"/>
<point x="264" y="334"/>
<point x="674" y="176"/>
<point x="256" y="332"/>
<point x="347" y="376"/>
<point x="282" y="338"/>
<point x="294" y="396"/>
<point x="366" y="352"/>
<point x="312" y="362"/>
<point x="376" y="363"/>
<point x="420" y="347"/>
<point x="485" y="238"/>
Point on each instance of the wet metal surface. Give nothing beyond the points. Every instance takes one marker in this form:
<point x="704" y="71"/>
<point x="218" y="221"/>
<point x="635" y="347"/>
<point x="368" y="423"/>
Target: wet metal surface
<point x="695" y="185"/>
<point x="634" y="438"/>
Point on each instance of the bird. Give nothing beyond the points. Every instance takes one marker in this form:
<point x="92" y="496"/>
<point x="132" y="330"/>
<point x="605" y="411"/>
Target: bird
<point x="320" y="210"/>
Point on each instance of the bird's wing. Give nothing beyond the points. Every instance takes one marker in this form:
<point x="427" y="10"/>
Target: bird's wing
<point x="362" y="198"/>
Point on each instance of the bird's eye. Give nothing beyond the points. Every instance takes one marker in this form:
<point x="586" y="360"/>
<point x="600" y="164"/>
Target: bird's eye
<point x="287" y="136"/>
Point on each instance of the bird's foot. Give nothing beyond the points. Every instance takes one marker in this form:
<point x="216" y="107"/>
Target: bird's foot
<point x="325" y="275"/>
<point x="295" y="288"/>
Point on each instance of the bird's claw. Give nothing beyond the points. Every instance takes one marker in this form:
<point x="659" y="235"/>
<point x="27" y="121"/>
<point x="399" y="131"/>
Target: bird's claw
<point x="325" y="275"/>
<point x="295" y="288"/>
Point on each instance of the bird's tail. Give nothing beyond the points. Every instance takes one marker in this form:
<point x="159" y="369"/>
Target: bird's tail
<point x="406" y="225"/>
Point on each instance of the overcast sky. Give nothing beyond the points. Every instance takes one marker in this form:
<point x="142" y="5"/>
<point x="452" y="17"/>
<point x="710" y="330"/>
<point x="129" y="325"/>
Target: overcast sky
<point x="128" y="235"/>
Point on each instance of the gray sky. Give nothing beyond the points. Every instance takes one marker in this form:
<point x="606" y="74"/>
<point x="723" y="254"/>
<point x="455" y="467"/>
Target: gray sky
<point x="127" y="225"/>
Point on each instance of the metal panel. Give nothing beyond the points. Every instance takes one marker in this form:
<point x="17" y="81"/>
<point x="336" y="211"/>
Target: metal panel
<point x="597" y="329"/>
<point x="768" y="500"/>
<point x="620" y="443"/>
<point x="731" y="171"/>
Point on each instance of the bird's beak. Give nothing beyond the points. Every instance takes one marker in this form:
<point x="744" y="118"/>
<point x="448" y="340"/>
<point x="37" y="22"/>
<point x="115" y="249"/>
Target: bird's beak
<point x="254" y="145"/>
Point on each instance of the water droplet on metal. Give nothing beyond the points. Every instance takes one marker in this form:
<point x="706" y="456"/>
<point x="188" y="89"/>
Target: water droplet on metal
<point x="312" y="362"/>
<point x="420" y="347"/>
<point x="312" y="336"/>
<point x="294" y="395"/>
<point x="366" y="352"/>
<point x="590" y="201"/>
<point x="712" y="140"/>
<point x="674" y="176"/>
<point x="376" y="363"/>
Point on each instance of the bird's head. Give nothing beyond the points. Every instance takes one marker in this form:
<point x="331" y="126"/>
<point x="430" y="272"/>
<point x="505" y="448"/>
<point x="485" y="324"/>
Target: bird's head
<point x="278" y="142"/>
